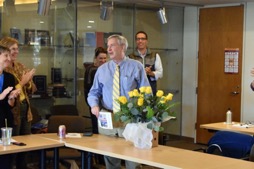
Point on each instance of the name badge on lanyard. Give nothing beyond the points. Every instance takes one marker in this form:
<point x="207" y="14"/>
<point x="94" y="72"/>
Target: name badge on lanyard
<point x="1" y="82"/>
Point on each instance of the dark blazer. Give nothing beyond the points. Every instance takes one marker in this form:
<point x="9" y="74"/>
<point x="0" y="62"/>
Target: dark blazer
<point x="5" y="108"/>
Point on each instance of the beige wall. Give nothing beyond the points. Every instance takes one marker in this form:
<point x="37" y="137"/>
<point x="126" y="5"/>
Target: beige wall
<point x="248" y="63"/>
<point x="189" y="106"/>
<point x="189" y="102"/>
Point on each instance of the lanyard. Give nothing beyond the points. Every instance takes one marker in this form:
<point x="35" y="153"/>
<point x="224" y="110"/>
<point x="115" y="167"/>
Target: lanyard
<point x="1" y="82"/>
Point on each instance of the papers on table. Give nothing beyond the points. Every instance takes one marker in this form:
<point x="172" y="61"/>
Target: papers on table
<point x="243" y="125"/>
<point x="73" y="135"/>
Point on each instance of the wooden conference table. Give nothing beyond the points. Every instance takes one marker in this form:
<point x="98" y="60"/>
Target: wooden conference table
<point x="161" y="156"/>
<point x="235" y="126"/>
<point x="33" y="142"/>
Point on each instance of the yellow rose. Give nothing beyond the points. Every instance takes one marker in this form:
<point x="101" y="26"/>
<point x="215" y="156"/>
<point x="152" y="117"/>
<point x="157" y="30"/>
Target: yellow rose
<point x="122" y="99"/>
<point x="169" y="96"/>
<point x="159" y="93"/>
<point x="135" y="93"/>
<point x="140" y="101"/>
<point x="130" y="94"/>
<point x="142" y="89"/>
<point x="148" y="90"/>
<point x="163" y="100"/>
<point x="141" y="95"/>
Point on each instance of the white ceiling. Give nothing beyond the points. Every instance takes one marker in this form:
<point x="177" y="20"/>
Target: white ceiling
<point x="174" y="2"/>
<point x="206" y="2"/>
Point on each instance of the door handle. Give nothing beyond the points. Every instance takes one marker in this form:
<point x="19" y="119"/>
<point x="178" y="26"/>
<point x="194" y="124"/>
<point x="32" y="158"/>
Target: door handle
<point x="234" y="93"/>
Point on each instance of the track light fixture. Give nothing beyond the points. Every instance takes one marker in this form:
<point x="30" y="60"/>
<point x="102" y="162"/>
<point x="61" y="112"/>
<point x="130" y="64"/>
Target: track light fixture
<point x="69" y="10"/>
<point x="9" y="7"/>
<point x="162" y="16"/>
<point x="44" y="7"/>
<point x="106" y="9"/>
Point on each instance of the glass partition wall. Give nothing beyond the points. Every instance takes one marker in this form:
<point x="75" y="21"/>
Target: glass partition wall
<point x="60" y="44"/>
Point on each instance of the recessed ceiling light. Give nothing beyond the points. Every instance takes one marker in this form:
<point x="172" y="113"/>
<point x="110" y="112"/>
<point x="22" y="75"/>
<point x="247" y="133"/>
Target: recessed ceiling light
<point x="91" y="21"/>
<point x="89" y="27"/>
<point x="41" y="21"/>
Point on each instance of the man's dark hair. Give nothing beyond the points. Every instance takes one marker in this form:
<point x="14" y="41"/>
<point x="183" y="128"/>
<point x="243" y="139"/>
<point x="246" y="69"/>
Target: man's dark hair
<point x="141" y="32"/>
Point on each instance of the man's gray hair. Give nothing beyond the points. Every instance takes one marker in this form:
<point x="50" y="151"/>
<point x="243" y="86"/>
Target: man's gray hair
<point x="121" y="40"/>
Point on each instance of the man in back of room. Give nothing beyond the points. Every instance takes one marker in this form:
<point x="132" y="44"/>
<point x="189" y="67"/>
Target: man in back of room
<point x="150" y="60"/>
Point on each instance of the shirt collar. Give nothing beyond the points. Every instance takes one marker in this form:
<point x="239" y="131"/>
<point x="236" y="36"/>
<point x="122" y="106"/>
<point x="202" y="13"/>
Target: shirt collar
<point x="137" y="53"/>
<point x="122" y="62"/>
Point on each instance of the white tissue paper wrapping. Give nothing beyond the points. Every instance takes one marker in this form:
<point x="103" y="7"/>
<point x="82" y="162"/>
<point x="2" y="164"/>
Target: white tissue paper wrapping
<point x="139" y="134"/>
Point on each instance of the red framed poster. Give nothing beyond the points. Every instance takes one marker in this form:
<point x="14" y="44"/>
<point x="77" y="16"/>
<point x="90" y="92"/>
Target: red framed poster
<point x="231" y="60"/>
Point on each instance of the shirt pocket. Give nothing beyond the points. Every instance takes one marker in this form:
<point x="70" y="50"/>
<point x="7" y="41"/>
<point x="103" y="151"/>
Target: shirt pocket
<point x="127" y="83"/>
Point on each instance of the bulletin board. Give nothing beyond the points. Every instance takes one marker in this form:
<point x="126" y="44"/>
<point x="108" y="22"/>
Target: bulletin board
<point x="231" y="60"/>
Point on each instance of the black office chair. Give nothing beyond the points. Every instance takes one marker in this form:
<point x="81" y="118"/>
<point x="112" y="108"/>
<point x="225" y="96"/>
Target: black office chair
<point x="67" y="109"/>
<point x="230" y="144"/>
<point x="252" y="154"/>
<point x="73" y="124"/>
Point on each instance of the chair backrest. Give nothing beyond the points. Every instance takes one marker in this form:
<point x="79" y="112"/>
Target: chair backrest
<point x="67" y="109"/>
<point x="73" y="124"/>
<point x="232" y="144"/>
<point x="252" y="154"/>
<point x="36" y="115"/>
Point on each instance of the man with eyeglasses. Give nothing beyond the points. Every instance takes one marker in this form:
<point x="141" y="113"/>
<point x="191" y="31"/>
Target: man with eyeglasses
<point x="150" y="60"/>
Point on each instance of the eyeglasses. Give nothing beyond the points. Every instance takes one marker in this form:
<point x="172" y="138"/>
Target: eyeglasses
<point x="142" y="39"/>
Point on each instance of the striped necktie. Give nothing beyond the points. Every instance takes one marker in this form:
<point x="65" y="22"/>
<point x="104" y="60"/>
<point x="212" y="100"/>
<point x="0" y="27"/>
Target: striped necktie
<point x="116" y="90"/>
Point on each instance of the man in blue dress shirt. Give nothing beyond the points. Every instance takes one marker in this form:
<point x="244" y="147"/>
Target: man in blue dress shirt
<point x="132" y="76"/>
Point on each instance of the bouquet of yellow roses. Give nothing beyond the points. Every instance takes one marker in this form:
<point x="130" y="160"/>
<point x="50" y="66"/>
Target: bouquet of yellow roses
<point x="143" y="107"/>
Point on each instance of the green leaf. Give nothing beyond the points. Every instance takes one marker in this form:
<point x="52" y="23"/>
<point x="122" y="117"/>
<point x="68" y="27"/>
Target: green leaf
<point x="154" y="119"/>
<point x="168" y="118"/>
<point x="156" y="128"/>
<point x="130" y="105"/>
<point x="161" y="129"/>
<point x="116" y="117"/>
<point x="150" y="112"/>
<point x="164" y="115"/>
<point x="124" y="118"/>
<point x="134" y="111"/>
<point x="150" y="126"/>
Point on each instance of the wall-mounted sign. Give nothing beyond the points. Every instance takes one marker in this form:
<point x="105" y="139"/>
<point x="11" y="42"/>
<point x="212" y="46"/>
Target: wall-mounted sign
<point x="231" y="60"/>
<point x="37" y="37"/>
